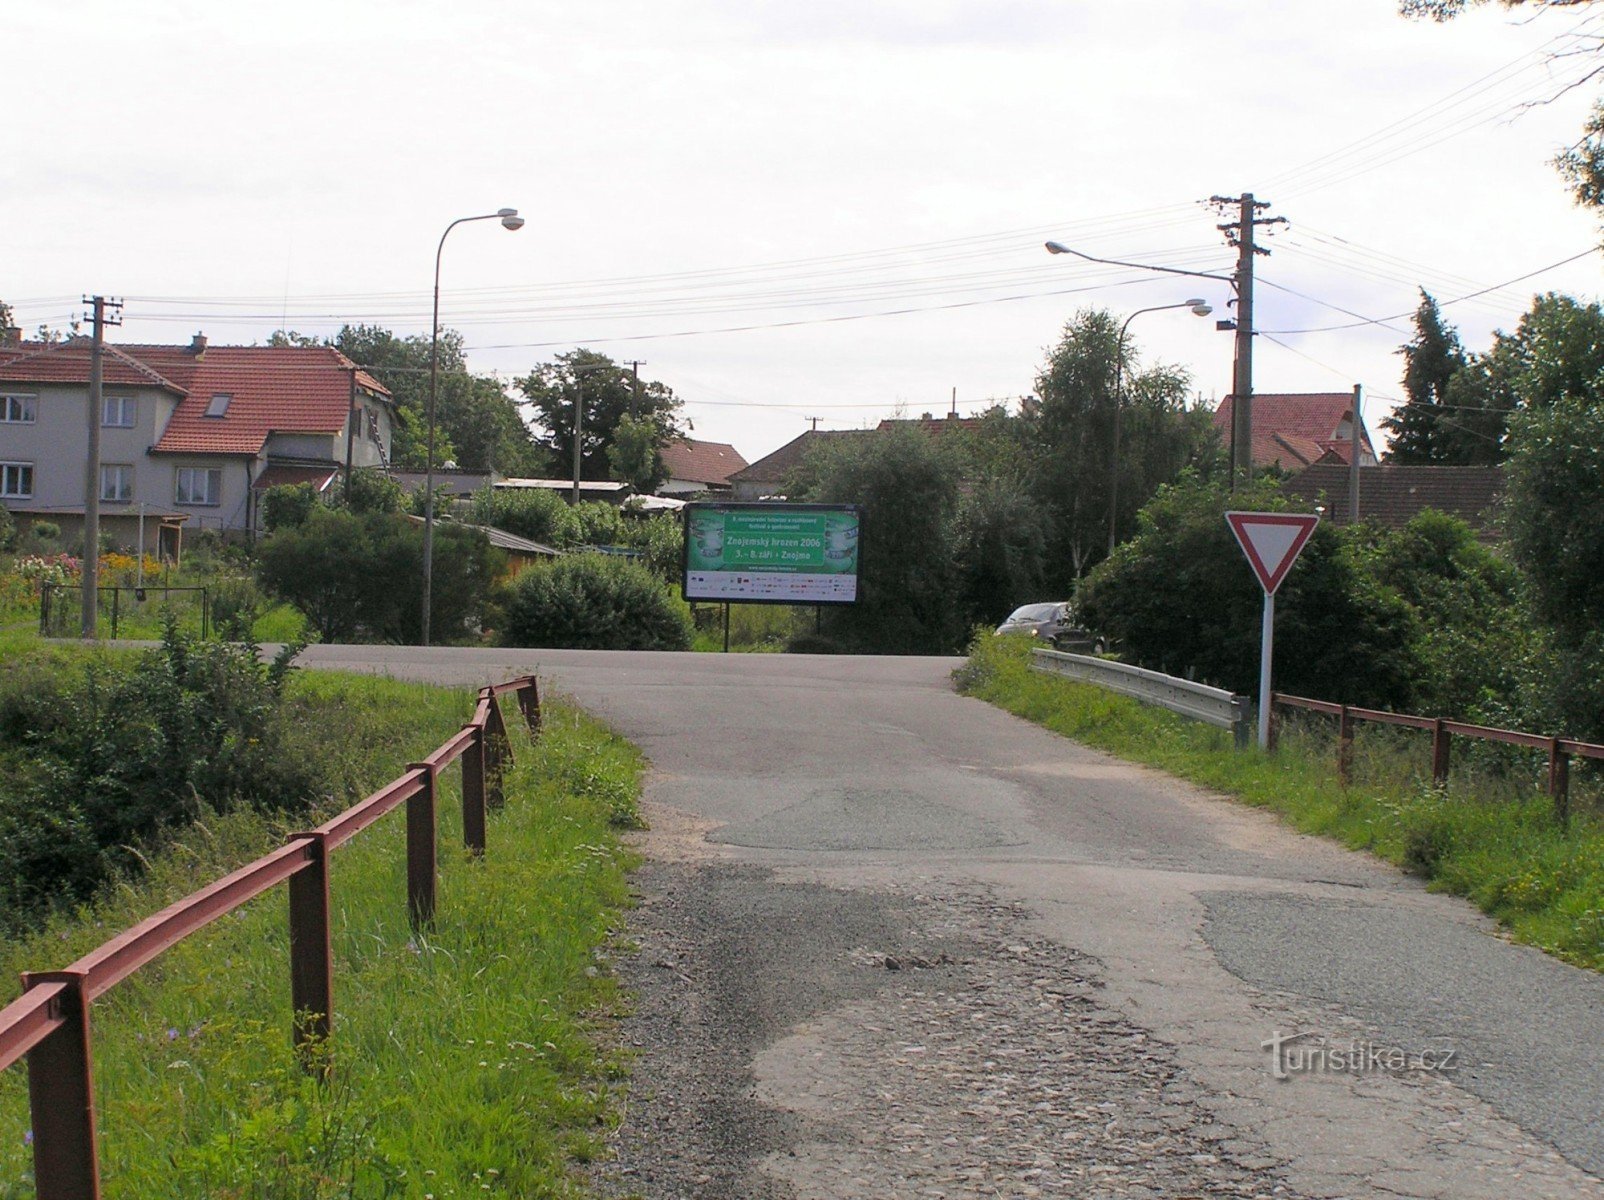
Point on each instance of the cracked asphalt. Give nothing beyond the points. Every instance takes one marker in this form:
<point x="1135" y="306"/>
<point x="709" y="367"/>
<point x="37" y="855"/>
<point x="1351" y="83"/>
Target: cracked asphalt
<point x="894" y="942"/>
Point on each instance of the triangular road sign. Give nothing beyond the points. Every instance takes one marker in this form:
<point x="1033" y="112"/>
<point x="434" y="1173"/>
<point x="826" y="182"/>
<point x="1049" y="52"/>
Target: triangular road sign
<point x="1272" y="542"/>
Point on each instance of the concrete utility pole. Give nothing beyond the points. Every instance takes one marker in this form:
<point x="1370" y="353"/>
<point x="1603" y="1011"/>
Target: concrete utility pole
<point x="579" y="427"/>
<point x="1239" y="233"/>
<point x="91" y="557"/>
<point x="1353" y="459"/>
<point x="634" y="400"/>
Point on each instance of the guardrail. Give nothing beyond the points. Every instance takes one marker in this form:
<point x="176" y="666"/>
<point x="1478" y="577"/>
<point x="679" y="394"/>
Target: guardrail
<point x="1212" y="705"/>
<point x="49" y="1023"/>
<point x="1560" y="750"/>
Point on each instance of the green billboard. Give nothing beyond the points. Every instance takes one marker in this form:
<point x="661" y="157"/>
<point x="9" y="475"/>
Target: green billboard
<point x="772" y="553"/>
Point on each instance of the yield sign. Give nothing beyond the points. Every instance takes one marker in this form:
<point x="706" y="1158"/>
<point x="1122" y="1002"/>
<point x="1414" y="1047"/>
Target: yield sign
<point x="1272" y="542"/>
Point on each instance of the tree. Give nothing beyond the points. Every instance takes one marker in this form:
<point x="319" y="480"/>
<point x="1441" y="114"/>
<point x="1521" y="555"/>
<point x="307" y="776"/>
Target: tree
<point x="636" y="455"/>
<point x="1430" y="362"/>
<point x="1073" y="431"/>
<point x="907" y="482"/>
<point x="357" y="577"/>
<point x="1179" y="597"/>
<point x="609" y="394"/>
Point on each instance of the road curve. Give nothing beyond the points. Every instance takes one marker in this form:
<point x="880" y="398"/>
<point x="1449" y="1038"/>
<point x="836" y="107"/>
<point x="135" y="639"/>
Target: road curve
<point x="897" y="942"/>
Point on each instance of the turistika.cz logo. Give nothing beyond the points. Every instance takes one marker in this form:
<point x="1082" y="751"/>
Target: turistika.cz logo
<point x="1310" y="1053"/>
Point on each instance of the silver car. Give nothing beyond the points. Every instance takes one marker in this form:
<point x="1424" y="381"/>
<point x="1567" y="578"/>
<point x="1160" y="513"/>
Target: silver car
<point x="1051" y="622"/>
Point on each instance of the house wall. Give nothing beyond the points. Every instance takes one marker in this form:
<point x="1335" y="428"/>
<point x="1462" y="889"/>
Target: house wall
<point x="365" y="452"/>
<point x="233" y="509"/>
<point x="318" y="447"/>
<point x="57" y="443"/>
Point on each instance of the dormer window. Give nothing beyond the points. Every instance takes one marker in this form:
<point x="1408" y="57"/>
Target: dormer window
<point x="219" y="404"/>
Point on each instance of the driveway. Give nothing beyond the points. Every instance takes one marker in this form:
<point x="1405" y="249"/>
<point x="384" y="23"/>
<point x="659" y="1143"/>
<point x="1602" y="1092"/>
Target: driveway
<point x="895" y="942"/>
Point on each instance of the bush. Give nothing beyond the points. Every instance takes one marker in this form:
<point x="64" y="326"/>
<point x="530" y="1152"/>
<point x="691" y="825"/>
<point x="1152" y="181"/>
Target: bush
<point x="358" y="577"/>
<point x="661" y="541"/>
<point x="94" y="768"/>
<point x="288" y="506"/>
<point x="532" y="513"/>
<point x="593" y="602"/>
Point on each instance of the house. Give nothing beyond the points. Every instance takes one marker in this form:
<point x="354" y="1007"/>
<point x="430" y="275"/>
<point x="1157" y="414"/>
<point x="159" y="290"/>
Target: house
<point x="697" y="468"/>
<point x="1293" y="430"/>
<point x="189" y="435"/>
<point x="767" y="476"/>
<point x="1391" y="494"/>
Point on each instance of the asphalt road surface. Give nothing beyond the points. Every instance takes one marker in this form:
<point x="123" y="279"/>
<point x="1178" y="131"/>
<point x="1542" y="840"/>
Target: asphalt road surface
<point x="894" y="942"/>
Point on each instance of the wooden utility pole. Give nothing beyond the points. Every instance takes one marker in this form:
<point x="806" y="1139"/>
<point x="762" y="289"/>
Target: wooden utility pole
<point x="91" y="555"/>
<point x="634" y="400"/>
<point x="1239" y="233"/>
<point x="579" y="426"/>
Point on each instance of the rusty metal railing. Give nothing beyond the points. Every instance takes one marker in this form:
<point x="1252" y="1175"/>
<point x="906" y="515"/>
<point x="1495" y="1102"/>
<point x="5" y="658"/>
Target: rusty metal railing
<point x="49" y="1024"/>
<point x="1560" y="750"/>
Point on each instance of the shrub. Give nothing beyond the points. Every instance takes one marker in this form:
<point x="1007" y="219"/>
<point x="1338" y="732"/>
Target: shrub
<point x="532" y="513"/>
<point x="95" y="767"/>
<point x="592" y="602"/>
<point x="661" y="541"/>
<point x="358" y="577"/>
<point x="288" y="506"/>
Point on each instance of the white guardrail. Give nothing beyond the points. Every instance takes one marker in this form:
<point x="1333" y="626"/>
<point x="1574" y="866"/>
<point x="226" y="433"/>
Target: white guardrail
<point x="1213" y="705"/>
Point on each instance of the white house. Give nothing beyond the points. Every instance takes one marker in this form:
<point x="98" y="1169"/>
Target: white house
<point x="189" y="435"/>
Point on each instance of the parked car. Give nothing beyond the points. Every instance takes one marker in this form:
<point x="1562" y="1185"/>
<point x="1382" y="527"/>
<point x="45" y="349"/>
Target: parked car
<point x="1053" y="622"/>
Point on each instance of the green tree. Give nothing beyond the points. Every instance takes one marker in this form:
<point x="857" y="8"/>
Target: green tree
<point x="636" y="455"/>
<point x="1179" y="597"/>
<point x="1431" y="360"/>
<point x="907" y="483"/>
<point x="357" y="577"/>
<point x="1073" y="430"/>
<point x="1000" y="549"/>
<point x="608" y="395"/>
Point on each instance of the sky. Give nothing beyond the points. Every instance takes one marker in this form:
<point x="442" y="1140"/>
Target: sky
<point x="788" y="212"/>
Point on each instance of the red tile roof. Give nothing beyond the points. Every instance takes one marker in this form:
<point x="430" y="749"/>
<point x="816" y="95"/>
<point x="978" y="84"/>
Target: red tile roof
<point x="275" y="389"/>
<point x="702" y="462"/>
<point x="1293" y="429"/>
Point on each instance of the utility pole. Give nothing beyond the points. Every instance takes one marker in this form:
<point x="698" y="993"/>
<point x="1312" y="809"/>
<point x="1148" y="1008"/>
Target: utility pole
<point x="634" y="400"/>
<point x="814" y="423"/>
<point x="1353" y="456"/>
<point x="579" y="426"/>
<point x="1239" y="233"/>
<point x="91" y="558"/>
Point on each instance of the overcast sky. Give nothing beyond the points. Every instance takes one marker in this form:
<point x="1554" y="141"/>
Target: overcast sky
<point x="826" y="209"/>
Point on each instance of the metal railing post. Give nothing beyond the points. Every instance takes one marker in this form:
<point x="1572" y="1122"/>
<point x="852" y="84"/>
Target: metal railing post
<point x="473" y="792"/>
<point x="1439" y="752"/>
<point x="312" y="955"/>
<point x="529" y="701"/>
<point x="421" y="848"/>
<point x="1241" y="734"/>
<point x="1559" y="782"/>
<point x="61" y="1098"/>
<point x="1345" y="746"/>
<point x="497" y="754"/>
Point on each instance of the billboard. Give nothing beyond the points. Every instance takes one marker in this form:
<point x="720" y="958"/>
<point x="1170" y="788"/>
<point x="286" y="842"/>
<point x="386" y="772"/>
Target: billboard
<point x="772" y="553"/>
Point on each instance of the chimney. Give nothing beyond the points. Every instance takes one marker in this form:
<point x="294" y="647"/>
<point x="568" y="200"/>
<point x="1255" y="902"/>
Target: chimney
<point x="197" y="345"/>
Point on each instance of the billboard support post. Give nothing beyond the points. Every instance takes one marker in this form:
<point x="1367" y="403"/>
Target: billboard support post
<point x="726" y="627"/>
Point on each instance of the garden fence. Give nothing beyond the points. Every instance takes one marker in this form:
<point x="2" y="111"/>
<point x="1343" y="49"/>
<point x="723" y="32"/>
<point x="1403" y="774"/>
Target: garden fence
<point x="50" y="1023"/>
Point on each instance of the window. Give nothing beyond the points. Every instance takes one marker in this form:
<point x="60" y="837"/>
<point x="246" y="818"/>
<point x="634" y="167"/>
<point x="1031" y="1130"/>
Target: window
<point x="18" y="410"/>
<point x="119" y="412"/>
<point x="116" y="481"/>
<point x="16" y="480"/>
<point x="219" y="404"/>
<point x="199" y="486"/>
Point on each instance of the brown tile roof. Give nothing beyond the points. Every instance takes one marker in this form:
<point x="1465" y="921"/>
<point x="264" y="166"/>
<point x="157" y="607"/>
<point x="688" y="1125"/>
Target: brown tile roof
<point x="702" y="462"/>
<point x="288" y="389"/>
<point x="1391" y="494"/>
<point x="1292" y="429"/>
<point x="933" y="425"/>
<point x="773" y="468"/>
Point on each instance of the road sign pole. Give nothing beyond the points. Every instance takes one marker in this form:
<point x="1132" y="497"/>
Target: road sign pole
<point x="1266" y="651"/>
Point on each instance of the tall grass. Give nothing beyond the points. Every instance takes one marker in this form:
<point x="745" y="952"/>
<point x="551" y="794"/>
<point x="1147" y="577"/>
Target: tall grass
<point x="465" y="1060"/>
<point x="1490" y="834"/>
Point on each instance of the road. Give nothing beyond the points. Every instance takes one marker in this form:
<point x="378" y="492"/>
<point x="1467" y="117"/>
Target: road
<point x="895" y="942"/>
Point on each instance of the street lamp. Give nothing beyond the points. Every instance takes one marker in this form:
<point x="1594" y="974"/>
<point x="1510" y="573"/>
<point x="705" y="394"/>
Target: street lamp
<point x="509" y="219"/>
<point x="1200" y="308"/>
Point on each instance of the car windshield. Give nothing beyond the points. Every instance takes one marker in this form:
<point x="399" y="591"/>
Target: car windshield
<point x="1033" y="612"/>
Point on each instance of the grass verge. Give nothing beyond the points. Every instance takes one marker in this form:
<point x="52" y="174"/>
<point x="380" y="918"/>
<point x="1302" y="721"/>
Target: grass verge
<point x="465" y="1060"/>
<point x="1490" y="835"/>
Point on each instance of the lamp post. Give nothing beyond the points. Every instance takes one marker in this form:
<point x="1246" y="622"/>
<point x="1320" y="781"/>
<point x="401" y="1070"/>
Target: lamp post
<point x="1200" y="308"/>
<point x="509" y="219"/>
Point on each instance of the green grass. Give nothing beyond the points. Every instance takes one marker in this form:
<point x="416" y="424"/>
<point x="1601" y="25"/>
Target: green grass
<point x="466" y="1061"/>
<point x="754" y="628"/>
<point x="1490" y="834"/>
